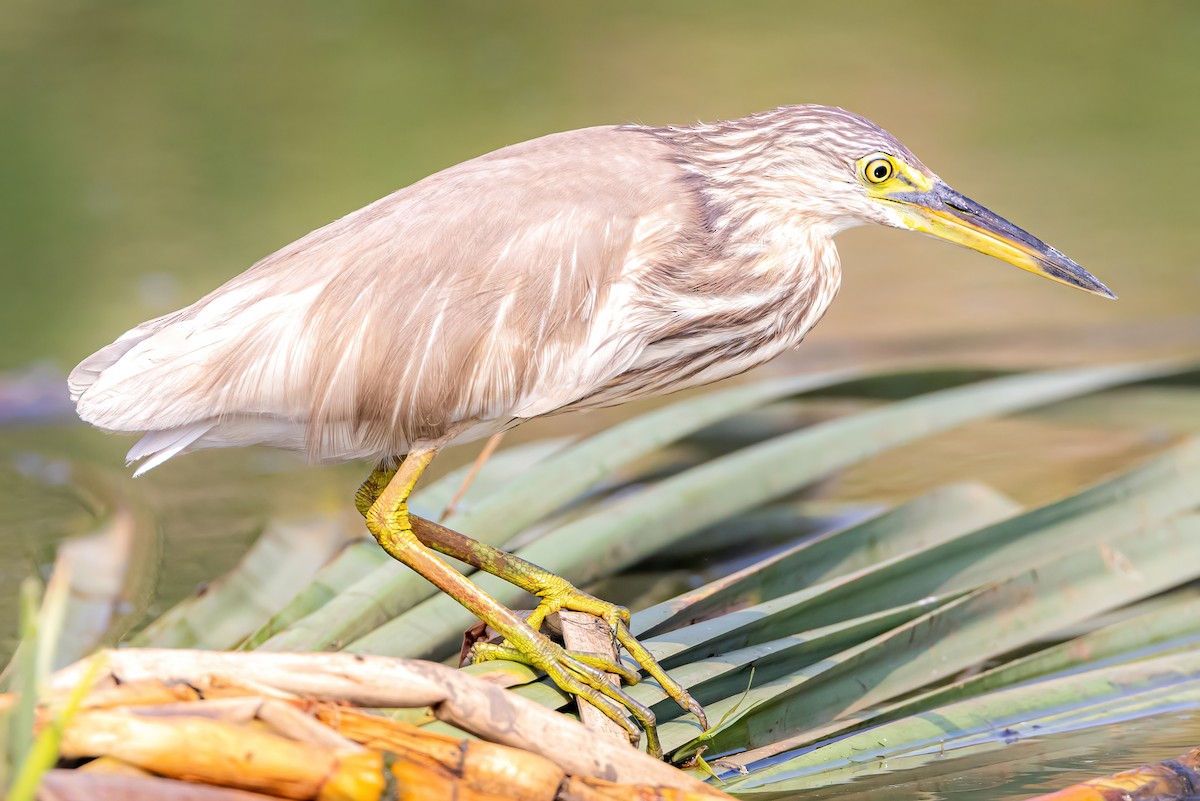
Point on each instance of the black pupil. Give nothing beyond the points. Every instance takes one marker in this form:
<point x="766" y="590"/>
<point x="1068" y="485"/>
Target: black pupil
<point x="881" y="171"/>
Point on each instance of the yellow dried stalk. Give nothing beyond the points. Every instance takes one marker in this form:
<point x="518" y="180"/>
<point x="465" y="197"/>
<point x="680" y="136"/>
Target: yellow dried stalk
<point x="485" y="767"/>
<point x="295" y="724"/>
<point x="456" y="697"/>
<point x="215" y="752"/>
<point x="147" y="713"/>
<point x="419" y="778"/>
<point x="492" y="768"/>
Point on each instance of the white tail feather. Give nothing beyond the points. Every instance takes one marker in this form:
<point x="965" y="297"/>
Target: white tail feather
<point x="157" y="447"/>
<point x="84" y="375"/>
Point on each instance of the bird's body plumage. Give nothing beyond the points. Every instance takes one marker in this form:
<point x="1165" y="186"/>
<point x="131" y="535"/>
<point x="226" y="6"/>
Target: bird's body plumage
<point x="573" y="271"/>
<point x="578" y="270"/>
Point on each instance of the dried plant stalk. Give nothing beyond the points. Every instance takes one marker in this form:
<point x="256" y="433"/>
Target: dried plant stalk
<point x="419" y="778"/>
<point x="583" y="632"/>
<point x="483" y="766"/>
<point x="215" y="752"/>
<point x="455" y="697"/>
<point x="290" y="722"/>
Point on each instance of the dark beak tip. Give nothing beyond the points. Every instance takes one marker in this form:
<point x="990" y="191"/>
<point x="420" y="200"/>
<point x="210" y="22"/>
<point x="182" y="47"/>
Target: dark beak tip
<point x="1074" y="274"/>
<point x="1101" y="290"/>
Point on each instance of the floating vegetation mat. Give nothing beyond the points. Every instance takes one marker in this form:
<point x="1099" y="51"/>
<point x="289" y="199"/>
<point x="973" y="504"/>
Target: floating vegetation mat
<point x="152" y="724"/>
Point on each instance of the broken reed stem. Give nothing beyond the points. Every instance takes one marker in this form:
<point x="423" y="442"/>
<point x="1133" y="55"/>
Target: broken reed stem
<point x="584" y="632"/>
<point x="216" y="752"/>
<point x="489" y="448"/>
<point x="341" y="754"/>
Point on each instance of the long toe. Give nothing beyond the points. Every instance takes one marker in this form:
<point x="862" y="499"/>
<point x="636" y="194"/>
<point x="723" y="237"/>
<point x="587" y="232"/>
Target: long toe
<point x="560" y="594"/>
<point x="564" y="595"/>
<point x="648" y="663"/>
<point x="581" y="675"/>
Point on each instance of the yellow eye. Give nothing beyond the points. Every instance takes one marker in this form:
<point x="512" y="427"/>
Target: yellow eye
<point x="878" y="170"/>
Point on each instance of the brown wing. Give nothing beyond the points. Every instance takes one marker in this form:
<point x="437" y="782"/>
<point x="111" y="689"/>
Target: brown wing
<point x="488" y="291"/>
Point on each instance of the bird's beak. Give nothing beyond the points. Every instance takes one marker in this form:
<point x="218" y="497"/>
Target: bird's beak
<point x="946" y="214"/>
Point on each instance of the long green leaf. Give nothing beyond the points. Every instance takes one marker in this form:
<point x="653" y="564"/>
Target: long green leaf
<point x="26" y="681"/>
<point x="986" y="623"/>
<point x="1143" y="496"/>
<point x="283" y="560"/>
<point x="646" y="522"/>
<point x="44" y="752"/>
<point x="942" y="514"/>
<point x="353" y="562"/>
<point x="531" y="496"/>
<point x="994" y="714"/>
<point x="359" y="559"/>
<point x="1163" y="627"/>
<point x="1164" y="486"/>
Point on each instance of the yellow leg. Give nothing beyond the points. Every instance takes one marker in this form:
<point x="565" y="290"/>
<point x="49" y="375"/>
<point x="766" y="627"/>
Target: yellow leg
<point x="389" y="522"/>
<point x="555" y="592"/>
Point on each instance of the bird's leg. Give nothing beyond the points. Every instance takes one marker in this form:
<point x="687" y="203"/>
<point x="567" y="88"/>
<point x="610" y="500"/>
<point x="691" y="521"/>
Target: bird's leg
<point x="370" y="490"/>
<point x="389" y="522"/>
<point x="555" y="592"/>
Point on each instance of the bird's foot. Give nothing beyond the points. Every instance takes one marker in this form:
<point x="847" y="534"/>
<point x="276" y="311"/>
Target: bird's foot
<point x="581" y="675"/>
<point x="558" y="594"/>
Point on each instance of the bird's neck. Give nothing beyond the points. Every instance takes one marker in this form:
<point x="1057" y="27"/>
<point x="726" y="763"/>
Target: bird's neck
<point x="765" y="253"/>
<point x="735" y="169"/>
<point x="747" y="282"/>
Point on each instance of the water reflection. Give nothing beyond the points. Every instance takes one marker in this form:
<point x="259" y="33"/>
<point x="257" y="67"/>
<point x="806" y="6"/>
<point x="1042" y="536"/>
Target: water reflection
<point x="1032" y="767"/>
<point x="192" y="522"/>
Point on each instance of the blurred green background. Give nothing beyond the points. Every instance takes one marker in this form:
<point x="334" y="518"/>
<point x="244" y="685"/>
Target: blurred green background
<point x="149" y="151"/>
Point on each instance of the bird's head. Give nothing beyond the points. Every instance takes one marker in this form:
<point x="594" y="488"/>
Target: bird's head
<point x="860" y="173"/>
